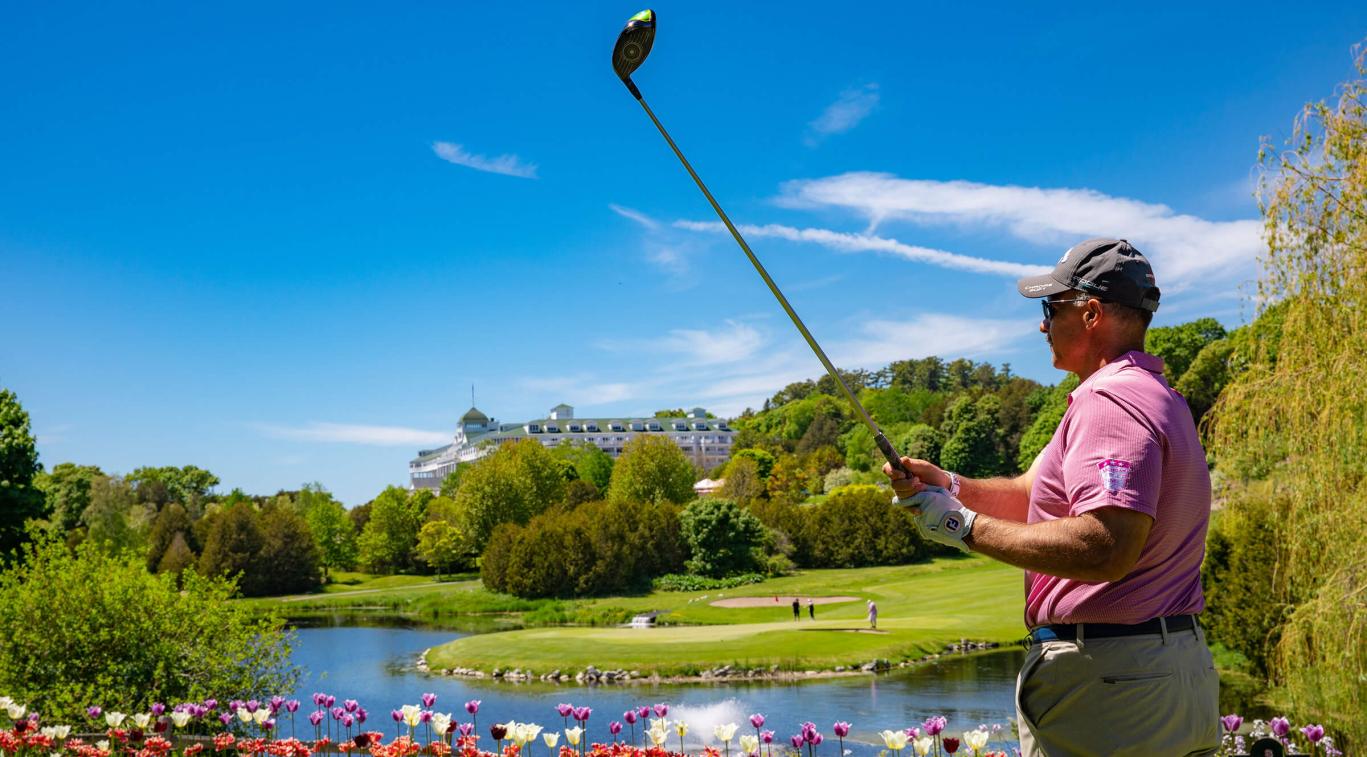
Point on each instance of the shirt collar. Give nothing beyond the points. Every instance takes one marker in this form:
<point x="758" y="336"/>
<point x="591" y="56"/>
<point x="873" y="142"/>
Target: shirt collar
<point x="1150" y="363"/>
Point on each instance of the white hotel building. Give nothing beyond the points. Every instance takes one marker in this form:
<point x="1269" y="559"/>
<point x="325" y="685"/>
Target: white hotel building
<point x="705" y="441"/>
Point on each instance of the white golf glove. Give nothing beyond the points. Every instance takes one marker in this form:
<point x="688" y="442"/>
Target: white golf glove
<point x="939" y="517"/>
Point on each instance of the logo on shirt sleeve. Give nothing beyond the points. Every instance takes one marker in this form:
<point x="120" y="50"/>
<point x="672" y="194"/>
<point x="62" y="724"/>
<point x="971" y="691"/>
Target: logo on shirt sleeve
<point x="1114" y="474"/>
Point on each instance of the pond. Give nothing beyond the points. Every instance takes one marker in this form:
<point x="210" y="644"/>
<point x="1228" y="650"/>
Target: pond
<point x="375" y="665"/>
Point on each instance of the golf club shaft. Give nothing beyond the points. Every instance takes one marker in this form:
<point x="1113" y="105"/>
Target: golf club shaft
<point x="879" y="438"/>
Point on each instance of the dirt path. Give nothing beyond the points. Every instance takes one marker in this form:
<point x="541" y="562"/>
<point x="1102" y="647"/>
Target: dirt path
<point x="779" y="601"/>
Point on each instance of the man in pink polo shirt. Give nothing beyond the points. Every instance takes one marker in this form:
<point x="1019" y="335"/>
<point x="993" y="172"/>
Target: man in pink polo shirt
<point x="1109" y="524"/>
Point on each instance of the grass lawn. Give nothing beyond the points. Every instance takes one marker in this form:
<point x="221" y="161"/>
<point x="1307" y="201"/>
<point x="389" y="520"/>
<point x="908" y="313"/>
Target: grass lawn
<point x="921" y="609"/>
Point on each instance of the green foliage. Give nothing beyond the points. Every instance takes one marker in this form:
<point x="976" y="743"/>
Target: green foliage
<point x="451" y="484"/>
<point x="86" y="627"/>
<point x="1245" y="607"/>
<point x="159" y="486"/>
<point x="1179" y="345"/>
<point x="690" y="582"/>
<point x="441" y="546"/>
<point x="170" y="523"/>
<point x="20" y="500"/>
<point x="177" y="557"/>
<point x="231" y="549"/>
<point x="590" y="463"/>
<point x="723" y="538"/>
<point x="333" y="531"/>
<point x="288" y="562"/>
<point x="652" y="469"/>
<point x="921" y="442"/>
<point x="787" y="481"/>
<point x="972" y="444"/>
<point x="896" y="405"/>
<point x="579" y="491"/>
<point x="518" y="481"/>
<point x="763" y="459"/>
<point x="858" y="526"/>
<point x="1298" y="420"/>
<point x="113" y="521"/>
<point x="67" y="492"/>
<point x="597" y="548"/>
<point x="743" y="482"/>
<point x="1046" y="421"/>
<point x="390" y="536"/>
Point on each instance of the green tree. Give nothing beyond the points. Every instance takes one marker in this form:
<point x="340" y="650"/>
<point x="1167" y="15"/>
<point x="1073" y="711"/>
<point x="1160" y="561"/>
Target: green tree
<point x="87" y="627"/>
<point x="579" y="491"/>
<point x="590" y="463"/>
<point x="1179" y="345"/>
<point x="743" y="483"/>
<point x="114" y="522"/>
<point x="188" y="485"/>
<point x="786" y="481"/>
<point x="67" y="491"/>
<point x="1046" y="421"/>
<point x="921" y="442"/>
<point x="177" y="557"/>
<point x="233" y="547"/>
<point x="723" y="538"/>
<point x="171" y="522"/>
<point x="333" y="530"/>
<point x="518" y="481"/>
<point x="451" y="483"/>
<point x="652" y="469"/>
<point x="858" y="526"/>
<point x="972" y="444"/>
<point x="387" y="543"/>
<point x="764" y="460"/>
<point x="289" y="559"/>
<point x="441" y="546"/>
<point x="20" y="500"/>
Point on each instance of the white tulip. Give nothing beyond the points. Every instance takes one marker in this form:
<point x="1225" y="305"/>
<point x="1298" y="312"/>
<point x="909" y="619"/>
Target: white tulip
<point x="725" y="732"/>
<point x="142" y="719"/>
<point x="572" y="735"/>
<point x="48" y="731"/>
<point x="749" y="743"/>
<point x="441" y="723"/>
<point x="62" y="731"/>
<point x="923" y="745"/>
<point x="261" y="715"/>
<point x="658" y="735"/>
<point x="180" y="718"/>
<point x="102" y="745"/>
<point x="976" y="739"/>
<point x="16" y="711"/>
<point x="681" y="728"/>
<point x="894" y="740"/>
<point x="5" y="702"/>
<point x="530" y="731"/>
<point x="114" y="719"/>
<point x="551" y="739"/>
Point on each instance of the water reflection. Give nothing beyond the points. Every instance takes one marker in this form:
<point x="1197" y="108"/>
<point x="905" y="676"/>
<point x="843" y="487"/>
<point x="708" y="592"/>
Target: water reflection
<point x="375" y="664"/>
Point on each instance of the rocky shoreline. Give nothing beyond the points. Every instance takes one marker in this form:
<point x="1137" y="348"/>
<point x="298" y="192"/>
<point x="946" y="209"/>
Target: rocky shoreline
<point x="593" y="676"/>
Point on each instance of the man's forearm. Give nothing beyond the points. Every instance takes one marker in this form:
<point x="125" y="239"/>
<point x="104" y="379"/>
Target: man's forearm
<point x="1006" y="498"/>
<point x="1066" y="547"/>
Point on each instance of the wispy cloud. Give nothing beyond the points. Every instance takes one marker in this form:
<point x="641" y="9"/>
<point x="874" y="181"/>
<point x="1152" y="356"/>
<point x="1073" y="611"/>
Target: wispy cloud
<point x="884" y="341"/>
<point x="733" y="342"/>
<point x="848" y="242"/>
<point x="345" y="433"/>
<point x="634" y="215"/>
<point x="853" y="105"/>
<point x="508" y="165"/>
<point x="582" y="389"/>
<point x="1185" y="249"/>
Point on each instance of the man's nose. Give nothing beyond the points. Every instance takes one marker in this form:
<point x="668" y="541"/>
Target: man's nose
<point x="1043" y="326"/>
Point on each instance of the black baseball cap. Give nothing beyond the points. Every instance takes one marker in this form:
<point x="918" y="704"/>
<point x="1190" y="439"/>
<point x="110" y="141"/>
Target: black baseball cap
<point x="1108" y="269"/>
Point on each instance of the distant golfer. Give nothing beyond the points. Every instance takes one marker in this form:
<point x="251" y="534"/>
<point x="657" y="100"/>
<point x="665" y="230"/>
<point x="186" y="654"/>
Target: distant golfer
<point x="873" y="615"/>
<point x="811" y="607"/>
<point x="1109" y="524"/>
<point x="797" y="609"/>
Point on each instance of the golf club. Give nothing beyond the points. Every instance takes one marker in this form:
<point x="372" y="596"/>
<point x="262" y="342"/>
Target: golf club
<point x="633" y="45"/>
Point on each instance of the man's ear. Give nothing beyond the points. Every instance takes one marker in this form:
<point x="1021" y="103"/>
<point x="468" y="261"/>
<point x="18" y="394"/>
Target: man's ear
<point x="1091" y="313"/>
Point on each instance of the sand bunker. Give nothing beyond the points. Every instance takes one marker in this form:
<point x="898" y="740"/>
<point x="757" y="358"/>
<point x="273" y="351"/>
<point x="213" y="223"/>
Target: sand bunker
<point x="781" y="602"/>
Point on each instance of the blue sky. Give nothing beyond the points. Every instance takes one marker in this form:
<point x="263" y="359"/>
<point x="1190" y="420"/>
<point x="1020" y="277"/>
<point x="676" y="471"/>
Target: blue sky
<point x="282" y="241"/>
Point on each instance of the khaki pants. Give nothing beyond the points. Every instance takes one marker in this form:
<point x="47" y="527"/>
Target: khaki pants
<point x="1133" y="695"/>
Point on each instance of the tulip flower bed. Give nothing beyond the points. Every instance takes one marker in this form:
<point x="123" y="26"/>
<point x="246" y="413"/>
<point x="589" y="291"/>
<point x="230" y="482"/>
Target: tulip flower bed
<point x="252" y="729"/>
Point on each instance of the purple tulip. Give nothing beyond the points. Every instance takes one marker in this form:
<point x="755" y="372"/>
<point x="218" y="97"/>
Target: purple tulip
<point x="630" y="717"/>
<point x="361" y="714"/>
<point x="466" y="728"/>
<point x="277" y="702"/>
<point x="472" y="706"/>
<point x="817" y="738"/>
<point x="425" y="716"/>
<point x="316" y="717"/>
<point x="757" y="720"/>
<point x="1280" y="726"/>
<point x="292" y="706"/>
<point x="269" y="725"/>
<point x="564" y="709"/>
<point x="1231" y="722"/>
<point x="331" y="700"/>
<point x="158" y="709"/>
<point x="210" y="704"/>
<point x="93" y="712"/>
<point x="226" y="718"/>
<point x="661" y="710"/>
<point x="350" y="705"/>
<point x="318" y="698"/>
<point x="842" y="729"/>
<point x="582" y="714"/>
<point x="1314" y="733"/>
<point x="797" y="741"/>
<point x="615" y="728"/>
<point x="912" y="733"/>
<point x="338" y="712"/>
<point x="429" y="699"/>
<point x="808" y="731"/>
<point x="348" y="720"/>
<point x="252" y="705"/>
<point x="397" y="715"/>
<point x="767" y="737"/>
<point x="935" y="724"/>
<point x="234" y="704"/>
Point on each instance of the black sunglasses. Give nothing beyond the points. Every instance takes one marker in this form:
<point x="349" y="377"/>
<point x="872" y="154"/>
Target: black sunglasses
<point x="1049" y="304"/>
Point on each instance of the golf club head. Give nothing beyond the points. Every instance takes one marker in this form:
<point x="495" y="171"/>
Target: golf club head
<point x="633" y="44"/>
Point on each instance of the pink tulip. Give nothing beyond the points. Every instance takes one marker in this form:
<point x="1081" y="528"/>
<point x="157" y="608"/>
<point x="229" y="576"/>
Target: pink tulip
<point x="1231" y="722"/>
<point x="1280" y="726"/>
<point x="472" y="706"/>
<point x="842" y="729"/>
<point x="757" y="720"/>
<point x="1314" y="733"/>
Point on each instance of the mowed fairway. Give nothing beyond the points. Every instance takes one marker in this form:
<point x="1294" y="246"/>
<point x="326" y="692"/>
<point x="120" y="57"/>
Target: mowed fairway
<point x="921" y="609"/>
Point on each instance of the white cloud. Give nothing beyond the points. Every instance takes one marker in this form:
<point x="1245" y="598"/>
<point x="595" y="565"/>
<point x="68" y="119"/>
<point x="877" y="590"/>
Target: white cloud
<point x="634" y="215"/>
<point x="581" y="389"/>
<point x="735" y="342"/>
<point x="346" y="433"/>
<point x="853" y="106"/>
<point x="884" y="341"/>
<point x="848" y="242"/>
<point x="508" y="165"/>
<point x="1185" y="249"/>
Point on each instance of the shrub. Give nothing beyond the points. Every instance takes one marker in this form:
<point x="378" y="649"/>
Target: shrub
<point x="690" y="582"/>
<point x="723" y="538"/>
<point x="858" y="526"/>
<point x="86" y="627"/>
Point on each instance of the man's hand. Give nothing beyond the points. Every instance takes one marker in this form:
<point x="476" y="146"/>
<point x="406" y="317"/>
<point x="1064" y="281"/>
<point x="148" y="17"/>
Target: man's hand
<point x="923" y="474"/>
<point x="940" y="517"/>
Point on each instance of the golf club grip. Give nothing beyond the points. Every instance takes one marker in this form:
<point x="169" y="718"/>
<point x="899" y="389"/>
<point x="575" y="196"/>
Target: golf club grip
<point x="890" y="454"/>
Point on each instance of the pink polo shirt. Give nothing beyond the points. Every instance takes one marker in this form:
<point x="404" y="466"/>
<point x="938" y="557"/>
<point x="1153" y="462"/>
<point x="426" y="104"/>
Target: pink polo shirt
<point x="1127" y="440"/>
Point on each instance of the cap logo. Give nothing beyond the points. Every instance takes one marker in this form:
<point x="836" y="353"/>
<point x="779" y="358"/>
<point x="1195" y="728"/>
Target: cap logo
<point x="1064" y="259"/>
<point x="1036" y="287"/>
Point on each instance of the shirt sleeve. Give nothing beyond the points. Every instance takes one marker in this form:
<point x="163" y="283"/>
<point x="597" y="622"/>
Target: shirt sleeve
<point x="1113" y="458"/>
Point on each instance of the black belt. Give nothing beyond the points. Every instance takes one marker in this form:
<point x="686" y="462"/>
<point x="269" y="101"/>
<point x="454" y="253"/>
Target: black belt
<point x="1068" y="631"/>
